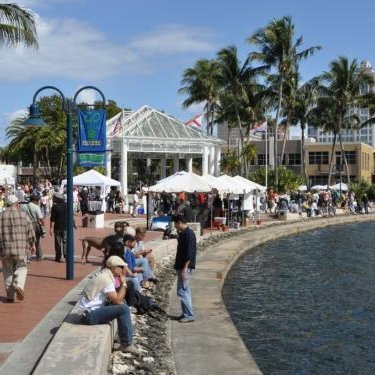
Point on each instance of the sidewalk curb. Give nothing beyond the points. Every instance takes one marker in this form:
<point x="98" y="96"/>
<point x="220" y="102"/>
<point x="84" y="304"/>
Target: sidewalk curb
<point x="28" y="353"/>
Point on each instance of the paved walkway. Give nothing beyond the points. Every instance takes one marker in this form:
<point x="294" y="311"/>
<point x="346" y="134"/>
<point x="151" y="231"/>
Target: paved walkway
<point x="46" y="284"/>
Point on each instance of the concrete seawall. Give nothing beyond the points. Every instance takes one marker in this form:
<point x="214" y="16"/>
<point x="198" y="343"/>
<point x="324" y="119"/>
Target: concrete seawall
<point x="212" y="345"/>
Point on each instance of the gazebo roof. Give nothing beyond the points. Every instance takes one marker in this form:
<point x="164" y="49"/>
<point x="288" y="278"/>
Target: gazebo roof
<point x="149" y="130"/>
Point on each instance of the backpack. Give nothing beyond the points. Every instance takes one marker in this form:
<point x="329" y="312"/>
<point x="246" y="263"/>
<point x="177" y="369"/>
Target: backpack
<point x="143" y="304"/>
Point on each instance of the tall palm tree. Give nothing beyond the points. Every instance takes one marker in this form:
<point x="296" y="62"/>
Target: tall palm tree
<point x="201" y="85"/>
<point x="324" y="116"/>
<point x="302" y="100"/>
<point x="343" y="86"/>
<point x="278" y="49"/>
<point x="17" y="26"/>
<point x="238" y="83"/>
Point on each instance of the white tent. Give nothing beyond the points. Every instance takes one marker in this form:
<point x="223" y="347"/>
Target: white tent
<point x="93" y="178"/>
<point x="251" y="185"/>
<point x="220" y="185"/>
<point x="237" y="187"/>
<point x="338" y="186"/>
<point x="181" y="181"/>
<point x="319" y="187"/>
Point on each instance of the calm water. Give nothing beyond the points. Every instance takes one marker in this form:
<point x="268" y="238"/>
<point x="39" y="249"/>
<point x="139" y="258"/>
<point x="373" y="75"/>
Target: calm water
<point x="306" y="304"/>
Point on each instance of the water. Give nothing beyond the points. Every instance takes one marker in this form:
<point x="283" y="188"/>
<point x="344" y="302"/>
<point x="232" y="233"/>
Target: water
<point x="306" y="304"/>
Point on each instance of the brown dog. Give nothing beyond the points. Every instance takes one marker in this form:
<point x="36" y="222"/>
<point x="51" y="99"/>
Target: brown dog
<point x="88" y="242"/>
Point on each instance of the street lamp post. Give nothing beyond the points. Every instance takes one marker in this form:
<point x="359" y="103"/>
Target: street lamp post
<point x="69" y="106"/>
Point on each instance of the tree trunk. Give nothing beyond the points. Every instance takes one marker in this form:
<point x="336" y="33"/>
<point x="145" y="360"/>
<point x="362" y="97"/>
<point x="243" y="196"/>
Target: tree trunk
<point x="284" y="142"/>
<point x="280" y="94"/>
<point x="343" y="157"/>
<point x="242" y="142"/>
<point x="333" y="154"/>
<point x="303" y="172"/>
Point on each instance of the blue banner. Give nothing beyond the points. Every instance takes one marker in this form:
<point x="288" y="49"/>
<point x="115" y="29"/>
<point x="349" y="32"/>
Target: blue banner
<point x="92" y="130"/>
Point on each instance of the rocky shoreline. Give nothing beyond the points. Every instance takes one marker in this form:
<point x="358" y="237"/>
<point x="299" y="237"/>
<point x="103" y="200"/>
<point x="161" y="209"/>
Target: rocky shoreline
<point x="152" y="333"/>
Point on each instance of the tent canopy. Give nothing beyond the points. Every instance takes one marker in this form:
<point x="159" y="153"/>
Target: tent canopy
<point x="220" y="185"/>
<point x="93" y="178"/>
<point x="181" y="181"/>
<point x="251" y="185"/>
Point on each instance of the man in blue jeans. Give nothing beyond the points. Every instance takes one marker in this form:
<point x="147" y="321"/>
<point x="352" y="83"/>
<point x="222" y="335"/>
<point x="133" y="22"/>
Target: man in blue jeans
<point x="184" y="264"/>
<point x="101" y="302"/>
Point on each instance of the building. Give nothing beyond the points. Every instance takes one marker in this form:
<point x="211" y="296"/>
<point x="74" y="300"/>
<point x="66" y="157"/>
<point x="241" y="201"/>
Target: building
<point x="364" y="135"/>
<point x="360" y="158"/>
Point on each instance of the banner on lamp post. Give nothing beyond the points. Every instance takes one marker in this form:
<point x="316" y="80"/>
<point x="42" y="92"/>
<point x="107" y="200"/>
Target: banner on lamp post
<point x="91" y="130"/>
<point x="91" y="160"/>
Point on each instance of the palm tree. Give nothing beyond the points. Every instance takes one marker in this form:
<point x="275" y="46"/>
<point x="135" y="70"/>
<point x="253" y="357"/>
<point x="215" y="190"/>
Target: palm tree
<point x="300" y="102"/>
<point x="230" y="164"/>
<point x="248" y="154"/>
<point x="278" y="49"/>
<point x="343" y="86"/>
<point x="17" y="26"/>
<point x="201" y="85"/>
<point x="238" y="99"/>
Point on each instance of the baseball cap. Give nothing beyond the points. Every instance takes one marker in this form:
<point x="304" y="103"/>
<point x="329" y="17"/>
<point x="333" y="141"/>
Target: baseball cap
<point x="130" y="231"/>
<point x="115" y="261"/>
<point x="11" y="200"/>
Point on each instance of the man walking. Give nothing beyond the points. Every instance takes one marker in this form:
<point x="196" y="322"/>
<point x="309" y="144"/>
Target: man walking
<point x="58" y="225"/>
<point x="184" y="265"/>
<point x="17" y="237"/>
<point x="32" y="209"/>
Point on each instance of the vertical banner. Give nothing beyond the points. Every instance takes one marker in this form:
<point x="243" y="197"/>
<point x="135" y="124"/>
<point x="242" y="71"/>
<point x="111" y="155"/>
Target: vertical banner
<point x="92" y="138"/>
<point x="92" y="130"/>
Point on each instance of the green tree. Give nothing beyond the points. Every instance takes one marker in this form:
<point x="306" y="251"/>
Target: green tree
<point x="279" y="49"/>
<point x="17" y="26"/>
<point x="248" y="154"/>
<point x="230" y="164"/>
<point x="288" y="180"/>
<point x="343" y="87"/>
<point x="201" y="85"/>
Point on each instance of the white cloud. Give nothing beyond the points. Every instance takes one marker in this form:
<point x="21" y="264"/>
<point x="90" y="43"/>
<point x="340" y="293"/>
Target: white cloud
<point x="72" y="49"/>
<point x="174" y="39"/>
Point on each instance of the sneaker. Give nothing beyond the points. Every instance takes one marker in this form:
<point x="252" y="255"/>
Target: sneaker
<point x="175" y="317"/>
<point x="186" y="320"/>
<point x="131" y="349"/>
<point x="19" y="292"/>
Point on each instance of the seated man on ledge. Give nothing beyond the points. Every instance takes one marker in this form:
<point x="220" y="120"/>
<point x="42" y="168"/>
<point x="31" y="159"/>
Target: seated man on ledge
<point x="101" y="302"/>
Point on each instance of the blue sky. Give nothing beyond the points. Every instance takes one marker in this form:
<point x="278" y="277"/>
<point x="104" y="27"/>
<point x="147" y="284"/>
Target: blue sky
<point x="136" y="51"/>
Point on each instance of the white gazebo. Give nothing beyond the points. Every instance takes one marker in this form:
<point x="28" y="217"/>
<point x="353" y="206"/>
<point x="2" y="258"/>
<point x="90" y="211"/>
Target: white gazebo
<point x="157" y="135"/>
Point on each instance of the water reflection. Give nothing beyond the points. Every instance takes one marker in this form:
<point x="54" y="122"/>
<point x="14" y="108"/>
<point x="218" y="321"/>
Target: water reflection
<point x="305" y="304"/>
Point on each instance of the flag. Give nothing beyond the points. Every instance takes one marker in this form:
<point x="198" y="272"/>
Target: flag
<point x="195" y="121"/>
<point x="259" y="129"/>
<point x="117" y="126"/>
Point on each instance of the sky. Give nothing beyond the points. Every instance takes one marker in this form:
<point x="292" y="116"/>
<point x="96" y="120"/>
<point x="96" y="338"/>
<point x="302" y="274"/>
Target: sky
<point x="135" y="52"/>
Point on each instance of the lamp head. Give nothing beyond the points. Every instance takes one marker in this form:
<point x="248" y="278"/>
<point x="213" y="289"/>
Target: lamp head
<point x="35" y="118"/>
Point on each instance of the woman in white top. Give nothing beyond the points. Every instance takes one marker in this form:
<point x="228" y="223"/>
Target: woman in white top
<point x="101" y="302"/>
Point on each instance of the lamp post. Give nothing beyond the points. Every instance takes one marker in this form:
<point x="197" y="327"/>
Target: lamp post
<point x="35" y="120"/>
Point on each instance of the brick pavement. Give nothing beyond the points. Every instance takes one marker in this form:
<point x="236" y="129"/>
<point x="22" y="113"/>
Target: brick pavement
<point x="46" y="283"/>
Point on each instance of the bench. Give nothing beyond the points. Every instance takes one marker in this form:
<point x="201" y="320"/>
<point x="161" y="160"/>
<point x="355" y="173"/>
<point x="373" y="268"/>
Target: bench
<point x="78" y="348"/>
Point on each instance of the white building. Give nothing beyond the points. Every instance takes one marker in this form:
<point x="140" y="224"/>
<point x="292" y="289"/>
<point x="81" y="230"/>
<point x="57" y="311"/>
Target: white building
<point x="366" y="134"/>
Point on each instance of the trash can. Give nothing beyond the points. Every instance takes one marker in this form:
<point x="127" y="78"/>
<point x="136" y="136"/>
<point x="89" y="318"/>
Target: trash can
<point x="95" y="219"/>
<point x="282" y="215"/>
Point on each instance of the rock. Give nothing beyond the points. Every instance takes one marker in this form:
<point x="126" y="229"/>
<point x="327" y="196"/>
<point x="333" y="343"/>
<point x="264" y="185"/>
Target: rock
<point x="149" y="360"/>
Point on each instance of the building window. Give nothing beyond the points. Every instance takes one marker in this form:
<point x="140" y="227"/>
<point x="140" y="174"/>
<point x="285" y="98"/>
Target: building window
<point x="294" y="159"/>
<point x="351" y="157"/>
<point x="261" y="159"/>
<point x="320" y="157"/>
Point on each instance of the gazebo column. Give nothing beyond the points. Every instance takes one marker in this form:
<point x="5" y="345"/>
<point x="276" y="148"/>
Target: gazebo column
<point x="163" y="167"/>
<point x="205" y="160"/>
<point x="108" y="163"/>
<point x="217" y="160"/>
<point x="211" y="160"/>
<point x="124" y="171"/>
<point x="176" y="164"/>
<point x="189" y="163"/>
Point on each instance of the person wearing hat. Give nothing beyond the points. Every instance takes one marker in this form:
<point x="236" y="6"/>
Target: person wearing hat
<point x="33" y="211"/>
<point x="101" y="302"/>
<point x="17" y="237"/>
<point x="58" y="225"/>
